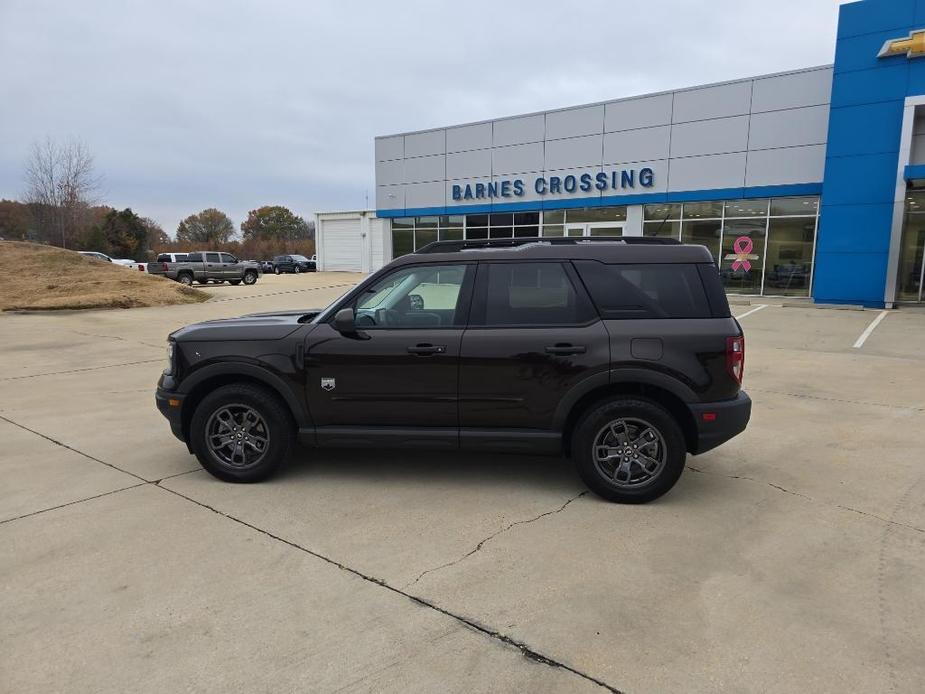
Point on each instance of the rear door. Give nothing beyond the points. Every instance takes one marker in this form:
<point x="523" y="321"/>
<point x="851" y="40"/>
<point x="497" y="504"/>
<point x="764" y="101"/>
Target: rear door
<point x="533" y="335"/>
<point x="213" y="266"/>
<point x="230" y="268"/>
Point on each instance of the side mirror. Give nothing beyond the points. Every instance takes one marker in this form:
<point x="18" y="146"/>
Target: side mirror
<point x="345" y="321"/>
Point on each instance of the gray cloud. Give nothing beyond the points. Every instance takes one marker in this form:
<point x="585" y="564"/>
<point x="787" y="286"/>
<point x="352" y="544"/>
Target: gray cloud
<point x="238" y="104"/>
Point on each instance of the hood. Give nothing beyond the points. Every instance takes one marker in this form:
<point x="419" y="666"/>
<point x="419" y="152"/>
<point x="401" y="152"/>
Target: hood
<point x="254" y="326"/>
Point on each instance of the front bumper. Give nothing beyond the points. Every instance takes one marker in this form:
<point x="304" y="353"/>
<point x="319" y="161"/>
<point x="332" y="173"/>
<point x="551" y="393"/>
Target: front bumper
<point x="171" y="406"/>
<point x="717" y="422"/>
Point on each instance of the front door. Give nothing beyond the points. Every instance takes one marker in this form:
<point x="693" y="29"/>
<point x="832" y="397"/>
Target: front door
<point x="594" y="229"/>
<point x="401" y="367"/>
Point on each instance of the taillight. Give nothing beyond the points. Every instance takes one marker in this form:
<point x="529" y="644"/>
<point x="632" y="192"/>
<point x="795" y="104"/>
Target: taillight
<point x="735" y="357"/>
<point x="164" y="267"/>
<point x="141" y="268"/>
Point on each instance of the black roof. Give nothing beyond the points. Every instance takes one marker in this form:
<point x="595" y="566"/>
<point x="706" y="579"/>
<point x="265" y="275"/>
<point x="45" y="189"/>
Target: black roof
<point x="606" y="249"/>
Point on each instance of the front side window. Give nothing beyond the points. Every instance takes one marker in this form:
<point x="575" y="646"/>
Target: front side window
<point x="531" y="294"/>
<point x="228" y="258"/>
<point x="212" y="257"/>
<point x="420" y="296"/>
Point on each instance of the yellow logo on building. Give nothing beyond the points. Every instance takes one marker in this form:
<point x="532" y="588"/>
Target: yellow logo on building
<point x="913" y="46"/>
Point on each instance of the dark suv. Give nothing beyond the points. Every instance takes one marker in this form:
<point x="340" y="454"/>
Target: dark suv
<point x="620" y="353"/>
<point x="293" y="263"/>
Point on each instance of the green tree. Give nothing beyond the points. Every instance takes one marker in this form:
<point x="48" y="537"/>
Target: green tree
<point x="125" y="233"/>
<point x="210" y="226"/>
<point x="274" y="222"/>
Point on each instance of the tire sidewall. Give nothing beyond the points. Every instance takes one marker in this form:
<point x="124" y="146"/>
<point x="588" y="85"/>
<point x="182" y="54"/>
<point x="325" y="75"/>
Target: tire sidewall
<point x="275" y="415"/>
<point x="250" y="278"/>
<point x="277" y="271"/>
<point x="185" y="280"/>
<point x="297" y="270"/>
<point x="597" y="417"/>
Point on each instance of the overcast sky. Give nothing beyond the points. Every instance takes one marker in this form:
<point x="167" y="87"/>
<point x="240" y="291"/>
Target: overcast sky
<point x="228" y="104"/>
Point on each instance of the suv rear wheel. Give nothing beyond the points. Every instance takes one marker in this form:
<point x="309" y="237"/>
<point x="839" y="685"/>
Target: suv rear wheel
<point x="629" y="450"/>
<point x="241" y="433"/>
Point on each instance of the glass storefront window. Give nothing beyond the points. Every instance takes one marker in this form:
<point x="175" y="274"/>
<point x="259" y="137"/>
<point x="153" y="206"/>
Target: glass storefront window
<point x="666" y="229"/>
<point x="781" y="207"/>
<point x="703" y="210"/>
<point x="501" y="220"/>
<point x="526" y="232"/>
<point x="403" y="223"/>
<point x="554" y="217"/>
<point x="747" y="208"/>
<point x="477" y="220"/>
<point x="909" y="277"/>
<point x="660" y="212"/>
<point x="477" y="233"/>
<point x="424" y="236"/>
<point x="703" y="233"/>
<point x="402" y="242"/>
<point x="742" y="255"/>
<point x="552" y="229"/>
<point x="596" y="214"/>
<point x="531" y="218"/>
<point x="789" y="263"/>
<point x="451" y="234"/>
<point x="452" y="221"/>
<point x="501" y="232"/>
<point x="425" y="222"/>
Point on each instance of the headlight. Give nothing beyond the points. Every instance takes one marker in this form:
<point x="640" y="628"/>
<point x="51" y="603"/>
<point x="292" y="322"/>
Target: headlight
<point x="171" y="352"/>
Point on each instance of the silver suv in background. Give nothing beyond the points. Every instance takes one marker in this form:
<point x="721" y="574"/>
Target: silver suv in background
<point x="208" y="266"/>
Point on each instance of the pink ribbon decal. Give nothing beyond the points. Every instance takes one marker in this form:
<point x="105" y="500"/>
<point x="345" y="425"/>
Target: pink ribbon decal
<point x="742" y="254"/>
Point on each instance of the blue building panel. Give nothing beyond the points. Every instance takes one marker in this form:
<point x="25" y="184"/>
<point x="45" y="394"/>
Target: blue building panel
<point x="865" y="129"/>
<point x="849" y="278"/>
<point x="872" y="85"/>
<point x="855" y="229"/>
<point x="875" y="15"/>
<point x="863" y="179"/>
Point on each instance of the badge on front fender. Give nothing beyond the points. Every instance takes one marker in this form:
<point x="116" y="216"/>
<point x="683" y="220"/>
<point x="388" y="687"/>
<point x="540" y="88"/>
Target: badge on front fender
<point x="328" y="384"/>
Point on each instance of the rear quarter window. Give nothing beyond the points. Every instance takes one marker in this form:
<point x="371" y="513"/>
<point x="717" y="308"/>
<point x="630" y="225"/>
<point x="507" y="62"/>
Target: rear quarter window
<point x="645" y="290"/>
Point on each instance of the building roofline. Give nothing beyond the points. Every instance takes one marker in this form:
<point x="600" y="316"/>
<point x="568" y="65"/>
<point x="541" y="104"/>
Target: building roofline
<point x="609" y="101"/>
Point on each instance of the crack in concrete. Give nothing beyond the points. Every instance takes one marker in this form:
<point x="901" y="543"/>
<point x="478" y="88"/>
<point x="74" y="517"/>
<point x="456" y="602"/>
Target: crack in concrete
<point x="76" y="371"/>
<point x="888" y="521"/>
<point x="116" y="337"/>
<point x="503" y="530"/>
<point x="806" y="396"/>
<point x="215" y="300"/>
<point x="524" y="649"/>
<point x="72" y="503"/>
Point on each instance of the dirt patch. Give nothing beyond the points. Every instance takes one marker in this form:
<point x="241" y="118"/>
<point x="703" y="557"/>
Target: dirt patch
<point x="44" y="277"/>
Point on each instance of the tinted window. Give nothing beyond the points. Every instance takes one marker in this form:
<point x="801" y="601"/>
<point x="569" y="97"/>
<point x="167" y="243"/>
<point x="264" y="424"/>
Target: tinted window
<point x="163" y="258"/>
<point x="194" y="258"/>
<point x="421" y="296"/>
<point x="531" y="294"/>
<point x="212" y="258"/>
<point x="645" y="291"/>
<point x="227" y="258"/>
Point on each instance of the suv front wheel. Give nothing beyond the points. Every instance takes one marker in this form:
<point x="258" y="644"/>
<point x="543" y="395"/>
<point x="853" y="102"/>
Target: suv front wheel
<point x="629" y="450"/>
<point x="241" y="433"/>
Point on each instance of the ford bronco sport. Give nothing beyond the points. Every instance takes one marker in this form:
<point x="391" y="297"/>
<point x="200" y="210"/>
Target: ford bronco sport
<point x="620" y="353"/>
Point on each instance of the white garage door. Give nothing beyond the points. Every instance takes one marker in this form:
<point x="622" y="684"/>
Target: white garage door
<point x="343" y="245"/>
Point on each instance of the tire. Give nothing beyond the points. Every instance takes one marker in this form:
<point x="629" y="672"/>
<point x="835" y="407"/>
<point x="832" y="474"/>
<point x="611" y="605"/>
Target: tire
<point x="626" y="474"/>
<point x="234" y="283"/>
<point x="277" y="270"/>
<point x="185" y="279"/>
<point x="230" y="405"/>
<point x="297" y="269"/>
<point x="250" y="277"/>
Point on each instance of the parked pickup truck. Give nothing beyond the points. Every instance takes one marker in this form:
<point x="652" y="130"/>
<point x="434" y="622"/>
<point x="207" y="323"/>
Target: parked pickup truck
<point x="208" y="266"/>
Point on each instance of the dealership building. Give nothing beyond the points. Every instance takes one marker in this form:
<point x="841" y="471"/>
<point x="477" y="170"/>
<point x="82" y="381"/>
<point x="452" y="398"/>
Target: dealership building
<point x="808" y="183"/>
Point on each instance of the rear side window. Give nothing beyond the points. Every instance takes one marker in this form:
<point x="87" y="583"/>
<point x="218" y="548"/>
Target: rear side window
<point x="645" y="291"/>
<point x="530" y="294"/>
<point x="194" y="258"/>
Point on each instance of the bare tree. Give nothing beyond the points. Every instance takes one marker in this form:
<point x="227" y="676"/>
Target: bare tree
<point x="61" y="185"/>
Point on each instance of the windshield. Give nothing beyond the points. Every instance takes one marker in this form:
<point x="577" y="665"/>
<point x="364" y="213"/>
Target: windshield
<point x="299" y="258"/>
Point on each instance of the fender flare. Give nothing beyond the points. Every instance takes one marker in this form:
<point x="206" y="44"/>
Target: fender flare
<point x="615" y="377"/>
<point x="254" y="372"/>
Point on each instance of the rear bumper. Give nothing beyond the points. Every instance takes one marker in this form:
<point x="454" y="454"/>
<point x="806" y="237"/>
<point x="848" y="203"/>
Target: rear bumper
<point x="717" y="422"/>
<point x="171" y="406"/>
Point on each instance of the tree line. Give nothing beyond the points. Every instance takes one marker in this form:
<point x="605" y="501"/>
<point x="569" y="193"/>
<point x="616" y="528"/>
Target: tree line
<point x="61" y="208"/>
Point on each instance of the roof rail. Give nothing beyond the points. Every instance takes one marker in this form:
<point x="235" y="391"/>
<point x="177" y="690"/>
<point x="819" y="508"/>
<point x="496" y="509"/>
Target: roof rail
<point x="473" y="244"/>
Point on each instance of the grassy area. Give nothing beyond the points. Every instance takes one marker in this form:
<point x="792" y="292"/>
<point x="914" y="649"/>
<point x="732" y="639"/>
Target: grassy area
<point x="45" y="277"/>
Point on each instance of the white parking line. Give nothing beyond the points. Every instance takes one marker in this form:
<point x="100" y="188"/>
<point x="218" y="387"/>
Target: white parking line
<point x="748" y="313"/>
<point x="870" y="328"/>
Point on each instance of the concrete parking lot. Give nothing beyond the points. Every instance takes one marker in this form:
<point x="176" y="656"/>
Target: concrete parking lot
<point x="790" y="560"/>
